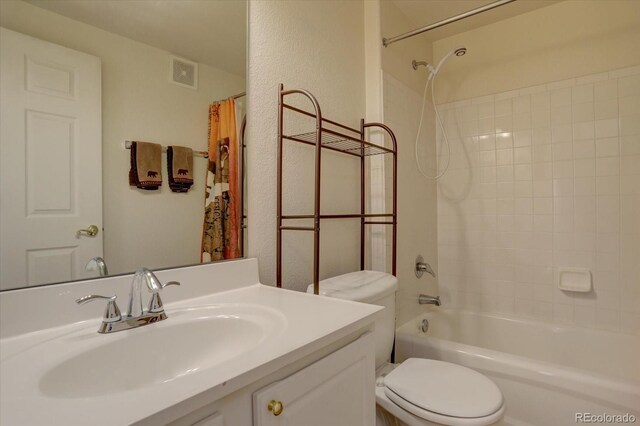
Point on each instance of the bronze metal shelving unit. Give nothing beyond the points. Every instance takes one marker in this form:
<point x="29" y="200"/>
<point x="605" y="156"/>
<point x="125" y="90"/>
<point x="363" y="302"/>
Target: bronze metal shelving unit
<point x="346" y="140"/>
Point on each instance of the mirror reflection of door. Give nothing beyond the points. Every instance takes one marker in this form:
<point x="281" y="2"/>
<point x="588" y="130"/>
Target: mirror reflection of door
<point x="137" y="43"/>
<point x="51" y="161"/>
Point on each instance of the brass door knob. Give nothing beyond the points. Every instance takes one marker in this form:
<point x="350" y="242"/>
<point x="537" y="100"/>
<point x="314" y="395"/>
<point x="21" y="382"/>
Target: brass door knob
<point x="90" y="231"/>
<point x="275" y="407"/>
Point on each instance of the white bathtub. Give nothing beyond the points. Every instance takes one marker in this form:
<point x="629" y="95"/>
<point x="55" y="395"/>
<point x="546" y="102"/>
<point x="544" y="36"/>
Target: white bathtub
<point x="547" y="373"/>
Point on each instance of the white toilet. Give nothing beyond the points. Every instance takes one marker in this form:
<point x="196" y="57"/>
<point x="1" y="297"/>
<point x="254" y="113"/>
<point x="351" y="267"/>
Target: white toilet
<point x="418" y="391"/>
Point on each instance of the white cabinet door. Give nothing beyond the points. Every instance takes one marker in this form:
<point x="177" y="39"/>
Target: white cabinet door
<point x="338" y="390"/>
<point x="213" y="420"/>
<point x="50" y="161"/>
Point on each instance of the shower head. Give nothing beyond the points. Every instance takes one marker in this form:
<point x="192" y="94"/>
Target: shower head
<point x="458" y="51"/>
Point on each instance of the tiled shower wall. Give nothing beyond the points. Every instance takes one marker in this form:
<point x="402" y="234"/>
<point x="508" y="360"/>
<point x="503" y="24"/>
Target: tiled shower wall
<point x="541" y="178"/>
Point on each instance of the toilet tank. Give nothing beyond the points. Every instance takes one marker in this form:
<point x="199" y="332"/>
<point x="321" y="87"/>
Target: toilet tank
<point x="376" y="288"/>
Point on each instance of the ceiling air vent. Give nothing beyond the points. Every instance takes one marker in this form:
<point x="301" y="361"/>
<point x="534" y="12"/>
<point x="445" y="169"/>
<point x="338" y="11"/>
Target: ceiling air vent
<point x="183" y="72"/>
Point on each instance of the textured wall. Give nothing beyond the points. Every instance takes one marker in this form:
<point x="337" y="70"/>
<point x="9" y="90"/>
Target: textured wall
<point x="318" y="46"/>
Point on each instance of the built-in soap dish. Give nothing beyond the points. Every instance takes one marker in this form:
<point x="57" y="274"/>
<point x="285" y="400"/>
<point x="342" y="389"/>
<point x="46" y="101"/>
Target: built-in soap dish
<point x="574" y="279"/>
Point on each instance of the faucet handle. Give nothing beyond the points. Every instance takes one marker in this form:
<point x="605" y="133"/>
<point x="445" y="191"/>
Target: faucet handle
<point x="170" y="283"/>
<point x="97" y="264"/>
<point x="422" y="267"/>
<point x="111" y="313"/>
<point x="155" y="304"/>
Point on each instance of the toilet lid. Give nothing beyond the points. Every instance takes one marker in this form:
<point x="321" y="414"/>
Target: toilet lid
<point x="361" y="286"/>
<point x="443" y="388"/>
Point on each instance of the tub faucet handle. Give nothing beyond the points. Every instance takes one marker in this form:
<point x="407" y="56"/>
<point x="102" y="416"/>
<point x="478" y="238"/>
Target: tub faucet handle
<point x="422" y="267"/>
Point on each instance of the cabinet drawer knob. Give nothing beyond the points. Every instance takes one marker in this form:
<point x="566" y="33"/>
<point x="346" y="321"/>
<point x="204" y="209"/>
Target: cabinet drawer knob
<point x="275" y="407"/>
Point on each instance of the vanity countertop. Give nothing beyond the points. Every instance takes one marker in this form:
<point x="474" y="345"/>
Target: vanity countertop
<point x="303" y="324"/>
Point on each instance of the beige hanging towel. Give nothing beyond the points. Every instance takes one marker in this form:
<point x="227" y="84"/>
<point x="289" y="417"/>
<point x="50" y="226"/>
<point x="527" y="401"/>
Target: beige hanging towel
<point x="180" y="168"/>
<point x="146" y="165"/>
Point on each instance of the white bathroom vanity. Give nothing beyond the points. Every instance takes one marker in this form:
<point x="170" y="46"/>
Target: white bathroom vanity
<point x="231" y="352"/>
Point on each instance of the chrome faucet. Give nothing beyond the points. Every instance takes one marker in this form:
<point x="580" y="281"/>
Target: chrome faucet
<point x="97" y="264"/>
<point x="422" y="267"/>
<point x="424" y="299"/>
<point x="113" y="321"/>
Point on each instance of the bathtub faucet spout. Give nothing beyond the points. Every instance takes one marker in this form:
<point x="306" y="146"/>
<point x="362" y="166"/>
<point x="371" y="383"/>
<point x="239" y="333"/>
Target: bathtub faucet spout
<point x="423" y="299"/>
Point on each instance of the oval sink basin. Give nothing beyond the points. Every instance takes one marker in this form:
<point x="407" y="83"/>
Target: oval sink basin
<point x="187" y="341"/>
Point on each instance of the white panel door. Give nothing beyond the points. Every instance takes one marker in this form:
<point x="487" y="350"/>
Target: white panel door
<point x="50" y="161"/>
<point x="338" y="390"/>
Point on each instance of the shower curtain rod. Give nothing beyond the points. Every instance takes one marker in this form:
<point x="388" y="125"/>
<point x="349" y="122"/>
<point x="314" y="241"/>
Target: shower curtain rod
<point x="387" y="41"/>
<point x="239" y="95"/>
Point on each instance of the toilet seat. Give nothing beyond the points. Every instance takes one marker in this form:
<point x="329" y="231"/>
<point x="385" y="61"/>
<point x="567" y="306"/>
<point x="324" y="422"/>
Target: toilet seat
<point x="444" y="393"/>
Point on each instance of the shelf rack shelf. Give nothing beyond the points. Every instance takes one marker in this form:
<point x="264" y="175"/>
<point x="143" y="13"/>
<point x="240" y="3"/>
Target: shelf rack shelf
<point x="346" y="140"/>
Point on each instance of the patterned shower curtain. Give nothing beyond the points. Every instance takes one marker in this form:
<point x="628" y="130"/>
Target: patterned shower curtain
<point x="220" y="228"/>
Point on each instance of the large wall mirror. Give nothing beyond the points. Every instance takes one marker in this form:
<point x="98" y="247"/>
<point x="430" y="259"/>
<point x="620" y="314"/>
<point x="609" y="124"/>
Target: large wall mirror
<point x="82" y="79"/>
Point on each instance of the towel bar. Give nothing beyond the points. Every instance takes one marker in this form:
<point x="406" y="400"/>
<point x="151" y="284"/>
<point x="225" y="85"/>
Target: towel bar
<point x="204" y="154"/>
